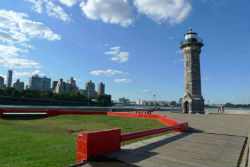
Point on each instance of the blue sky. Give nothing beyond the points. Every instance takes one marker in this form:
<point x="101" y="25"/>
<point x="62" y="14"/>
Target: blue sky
<point x="131" y="46"/>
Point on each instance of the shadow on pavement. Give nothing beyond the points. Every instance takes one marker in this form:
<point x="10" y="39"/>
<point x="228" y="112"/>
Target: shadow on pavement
<point x="132" y="156"/>
<point x="143" y="152"/>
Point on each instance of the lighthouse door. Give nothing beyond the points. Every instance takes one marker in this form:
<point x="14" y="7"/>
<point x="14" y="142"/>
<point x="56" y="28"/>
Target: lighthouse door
<point x="186" y="107"/>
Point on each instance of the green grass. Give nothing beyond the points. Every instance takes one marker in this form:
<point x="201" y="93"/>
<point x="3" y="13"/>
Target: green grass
<point x="52" y="141"/>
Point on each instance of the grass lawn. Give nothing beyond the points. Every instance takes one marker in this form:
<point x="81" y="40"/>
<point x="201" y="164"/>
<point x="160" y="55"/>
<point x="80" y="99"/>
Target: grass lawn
<point x="52" y="141"/>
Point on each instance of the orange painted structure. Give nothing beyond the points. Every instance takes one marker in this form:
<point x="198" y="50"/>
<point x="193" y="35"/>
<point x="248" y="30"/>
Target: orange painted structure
<point x="92" y="144"/>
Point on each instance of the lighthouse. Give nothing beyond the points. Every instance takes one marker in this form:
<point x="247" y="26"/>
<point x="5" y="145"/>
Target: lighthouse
<point x="192" y="101"/>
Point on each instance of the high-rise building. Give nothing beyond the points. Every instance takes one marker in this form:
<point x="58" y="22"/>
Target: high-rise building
<point x="60" y="86"/>
<point x="90" y="88"/>
<point x="101" y="89"/>
<point x="83" y="91"/>
<point x="192" y="102"/>
<point x="71" y="81"/>
<point x="40" y="83"/>
<point x="66" y="87"/>
<point x="2" y="82"/>
<point x="18" y="85"/>
<point x="9" y="78"/>
<point x="54" y="83"/>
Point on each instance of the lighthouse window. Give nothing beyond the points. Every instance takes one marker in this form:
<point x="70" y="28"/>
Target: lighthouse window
<point x="188" y="63"/>
<point x="190" y="36"/>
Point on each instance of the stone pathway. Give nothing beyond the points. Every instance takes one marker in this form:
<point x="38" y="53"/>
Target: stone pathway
<point x="214" y="140"/>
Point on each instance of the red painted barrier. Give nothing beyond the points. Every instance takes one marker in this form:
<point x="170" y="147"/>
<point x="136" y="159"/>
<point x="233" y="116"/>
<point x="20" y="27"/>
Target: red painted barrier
<point x="136" y="135"/>
<point x="50" y="112"/>
<point x="176" y="126"/>
<point x="92" y="144"/>
<point x="163" y="119"/>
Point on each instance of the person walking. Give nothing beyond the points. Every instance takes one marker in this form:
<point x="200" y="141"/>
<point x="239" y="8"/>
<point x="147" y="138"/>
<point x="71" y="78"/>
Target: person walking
<point x="171" y="108"/>
<point x="219" y="108"/>
<point x="222" y="109"/>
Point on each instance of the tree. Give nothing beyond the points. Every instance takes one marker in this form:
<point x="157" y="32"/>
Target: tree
<point x="103" y="100"/>
<point x="15" y="93"/>
<point x="8" y="91"/>
<point x="46" y="94"/>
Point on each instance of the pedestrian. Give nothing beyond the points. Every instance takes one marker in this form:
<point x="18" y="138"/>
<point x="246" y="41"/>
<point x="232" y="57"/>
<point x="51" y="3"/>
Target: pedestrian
<point x="218" y="109"/>
<point x="222" y="109"/>
<point x="171" y="108"/>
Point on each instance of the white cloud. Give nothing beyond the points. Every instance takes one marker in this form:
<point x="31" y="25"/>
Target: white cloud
<point x="17" y="63"/>
<point x="26" y="74"/>
<point x="114" y="50"/>
<point x="52" y="9"/>
<point x="179" y="61"/>
<point x="9" y="58"/>
<point x="123" y="80"/>
<point x="10" y="51"/>
<point x="171" y="37"/>
<point x="206" y="79"/>
<point x="119" y="56"/>
<point x="27" y="46"/>
<point x="146" y="91"/>
<point x="172" y="11"/>
<point x="12" y="36"/>
<point x="78" y="79"/>
<point x="37" y="29"/>
<point x="21" y="74"/>
<point x="15" y="29"/>
<point x="179" y="52"/>
<point x="108" y="72"/>
<point x="109" y="11"/>
<point x="20" y="29"/>
<point x="38" y="72"/>
<point x="37" y="5"/>
<point x="57" y="12"/>
<point x="69" y="3"/>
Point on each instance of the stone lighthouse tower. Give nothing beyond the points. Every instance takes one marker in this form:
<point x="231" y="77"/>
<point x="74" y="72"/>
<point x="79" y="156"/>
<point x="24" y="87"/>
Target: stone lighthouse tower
<point x="192" y="102"/>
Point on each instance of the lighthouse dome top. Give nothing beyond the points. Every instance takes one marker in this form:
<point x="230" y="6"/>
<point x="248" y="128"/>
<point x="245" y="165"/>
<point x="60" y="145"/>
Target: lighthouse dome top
<point x="191" y="37"/>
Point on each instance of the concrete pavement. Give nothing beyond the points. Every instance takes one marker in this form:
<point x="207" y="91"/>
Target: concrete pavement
<point x="213" y="140"/>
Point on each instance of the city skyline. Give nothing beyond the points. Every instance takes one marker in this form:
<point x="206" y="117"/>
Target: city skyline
<point x="44" y="83"/>
<point x="135" y="52"/>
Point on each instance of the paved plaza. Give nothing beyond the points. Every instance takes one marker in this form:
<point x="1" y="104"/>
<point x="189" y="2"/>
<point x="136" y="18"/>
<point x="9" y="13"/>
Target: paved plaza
<point x="213" y="140"/>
